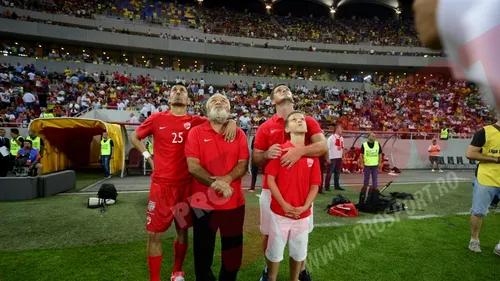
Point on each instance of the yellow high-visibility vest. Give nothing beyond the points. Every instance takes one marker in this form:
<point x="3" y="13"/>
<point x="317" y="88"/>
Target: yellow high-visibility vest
<point x="444" y="133"/>
<point x="370" y="156"/>
<point x="488" y="174"/>
<point x="14" y="147"/>
<point x="105" y="147"/>
<point x="151" y="147"/>
<point x="48" y="115"/>
<point x="36" y="143"/>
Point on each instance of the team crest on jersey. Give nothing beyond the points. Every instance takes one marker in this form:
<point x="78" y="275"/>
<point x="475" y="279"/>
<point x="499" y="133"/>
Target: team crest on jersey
<point x="187" y="126"/>
<point x="310" y="162"/>
<point x="151" y="206"/>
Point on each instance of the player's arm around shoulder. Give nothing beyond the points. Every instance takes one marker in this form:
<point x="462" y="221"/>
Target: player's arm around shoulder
<point x="319" y="144"/>
<point x="243" y="155"/>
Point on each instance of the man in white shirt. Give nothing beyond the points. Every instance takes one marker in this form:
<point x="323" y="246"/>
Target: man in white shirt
<point x="120" y="105"/>
<point x="29" y="99"/>
<point x="32" y="76"/>
<point x="245" y="123"/>
<point x="134" y="119"/>
<point x="334" y="158"/>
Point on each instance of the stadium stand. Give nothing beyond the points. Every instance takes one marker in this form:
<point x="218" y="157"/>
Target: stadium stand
<point x="225" y="22"/>
<point x="419" y="108"/>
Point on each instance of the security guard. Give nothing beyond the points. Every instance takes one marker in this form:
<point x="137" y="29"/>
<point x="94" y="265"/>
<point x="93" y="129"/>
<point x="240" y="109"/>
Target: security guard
<point x="16" y="142"/>
<point x="485" y="148"/>
<point x="106" y="154"/>
<point x="36" y="141"/>
<point x="46" y="114"/>
<point x="371" y="160"/>
<point x="444" y="133"/>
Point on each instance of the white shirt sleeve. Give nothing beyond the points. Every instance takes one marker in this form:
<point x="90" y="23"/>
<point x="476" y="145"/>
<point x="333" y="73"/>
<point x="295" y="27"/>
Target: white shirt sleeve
<point x="470" y="34"/>
<point x="430" y="148"/>
<point x="329" y="141"/>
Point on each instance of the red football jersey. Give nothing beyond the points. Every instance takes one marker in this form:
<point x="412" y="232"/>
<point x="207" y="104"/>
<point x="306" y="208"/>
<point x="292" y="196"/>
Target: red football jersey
<point x="169" y="135"/>
<point x="219" y="158"/>
<point x="273" y="132"/>
<point x="295" y="183"/>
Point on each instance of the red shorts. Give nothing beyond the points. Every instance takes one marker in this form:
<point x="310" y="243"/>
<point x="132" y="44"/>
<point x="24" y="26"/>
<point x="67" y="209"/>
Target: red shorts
<point x="166" y="203"/>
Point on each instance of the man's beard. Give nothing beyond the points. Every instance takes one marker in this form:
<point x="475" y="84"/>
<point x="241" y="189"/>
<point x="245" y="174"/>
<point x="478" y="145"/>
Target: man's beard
<point x="218" y="115"/>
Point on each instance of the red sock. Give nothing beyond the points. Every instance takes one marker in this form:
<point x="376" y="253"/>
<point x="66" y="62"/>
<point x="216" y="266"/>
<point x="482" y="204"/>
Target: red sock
<point x="154" y="268"/>
<point x="179" y="255"/>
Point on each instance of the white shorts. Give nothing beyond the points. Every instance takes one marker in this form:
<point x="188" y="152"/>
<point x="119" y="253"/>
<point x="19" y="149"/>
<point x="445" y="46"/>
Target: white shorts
<point x="295" y="232"/>
<point x="267" y="216"/>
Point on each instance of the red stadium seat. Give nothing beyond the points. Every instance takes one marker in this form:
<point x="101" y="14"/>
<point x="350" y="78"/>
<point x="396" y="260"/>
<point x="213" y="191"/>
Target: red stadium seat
<point x="134" y="160"/>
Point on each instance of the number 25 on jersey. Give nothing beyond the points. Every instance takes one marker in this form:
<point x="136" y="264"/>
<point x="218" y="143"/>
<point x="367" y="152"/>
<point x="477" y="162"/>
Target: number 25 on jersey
<point x="177" y="137"/>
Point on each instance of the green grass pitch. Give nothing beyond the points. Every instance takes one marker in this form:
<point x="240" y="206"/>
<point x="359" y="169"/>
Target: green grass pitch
<point x="58" y="238"/>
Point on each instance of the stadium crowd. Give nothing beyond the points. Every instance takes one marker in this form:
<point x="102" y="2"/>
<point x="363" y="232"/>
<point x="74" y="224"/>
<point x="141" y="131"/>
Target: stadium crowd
<point x="227" y="22"/>
<point x="27" y="93"/>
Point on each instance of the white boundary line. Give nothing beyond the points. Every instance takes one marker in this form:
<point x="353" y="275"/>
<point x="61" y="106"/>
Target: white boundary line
<point x="258" y="195"/>
<point x="94" y="184"/>
<point x="371" y="221"/>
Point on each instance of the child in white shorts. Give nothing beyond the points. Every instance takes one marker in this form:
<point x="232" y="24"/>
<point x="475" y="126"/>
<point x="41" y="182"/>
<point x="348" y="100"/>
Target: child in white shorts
<point x="293" y="191"/>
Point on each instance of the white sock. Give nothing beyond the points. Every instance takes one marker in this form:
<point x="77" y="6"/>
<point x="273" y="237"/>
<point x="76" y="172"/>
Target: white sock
<point x="473" y="240"/>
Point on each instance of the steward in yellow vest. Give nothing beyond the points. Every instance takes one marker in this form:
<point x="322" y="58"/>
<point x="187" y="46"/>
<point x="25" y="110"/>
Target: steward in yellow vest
<point x="485" y="148"/>
<point x="106" y="154"/>
<point x="36" y="141"/>
<point x="16" y="141"/>
<point x="371" y="160"/>
<point x="444" y="133"/>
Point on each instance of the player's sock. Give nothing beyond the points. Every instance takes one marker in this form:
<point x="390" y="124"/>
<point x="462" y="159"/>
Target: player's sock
<point x="154" y="268"/>
<point x="179" y="255"/>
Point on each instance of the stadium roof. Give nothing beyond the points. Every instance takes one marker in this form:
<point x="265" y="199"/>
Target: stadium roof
<point x="393" y="4"/>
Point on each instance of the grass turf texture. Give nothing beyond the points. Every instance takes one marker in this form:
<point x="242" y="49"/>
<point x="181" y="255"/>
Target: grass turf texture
<point x="57" y="238"/>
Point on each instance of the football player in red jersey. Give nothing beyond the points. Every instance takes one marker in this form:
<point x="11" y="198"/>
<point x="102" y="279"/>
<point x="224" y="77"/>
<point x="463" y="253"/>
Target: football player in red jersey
<point x="268" y="140"/>
<point x="171" y="180"/>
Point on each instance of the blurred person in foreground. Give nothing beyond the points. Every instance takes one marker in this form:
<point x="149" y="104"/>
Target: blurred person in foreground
<point x="469" y="32"/>
<point x="171" y="180"/>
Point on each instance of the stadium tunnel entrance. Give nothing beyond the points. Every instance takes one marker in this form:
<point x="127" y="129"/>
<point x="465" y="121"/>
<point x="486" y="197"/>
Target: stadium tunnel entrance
<point x="74" y="143"/>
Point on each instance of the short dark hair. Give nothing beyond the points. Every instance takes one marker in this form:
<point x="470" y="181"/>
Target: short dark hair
<point x="276" y="87"/>
<point x="179" y="84"/>
<point x="15" y="131"/>
<point x="26" y="140"/>
<point x="292" y="113"/>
